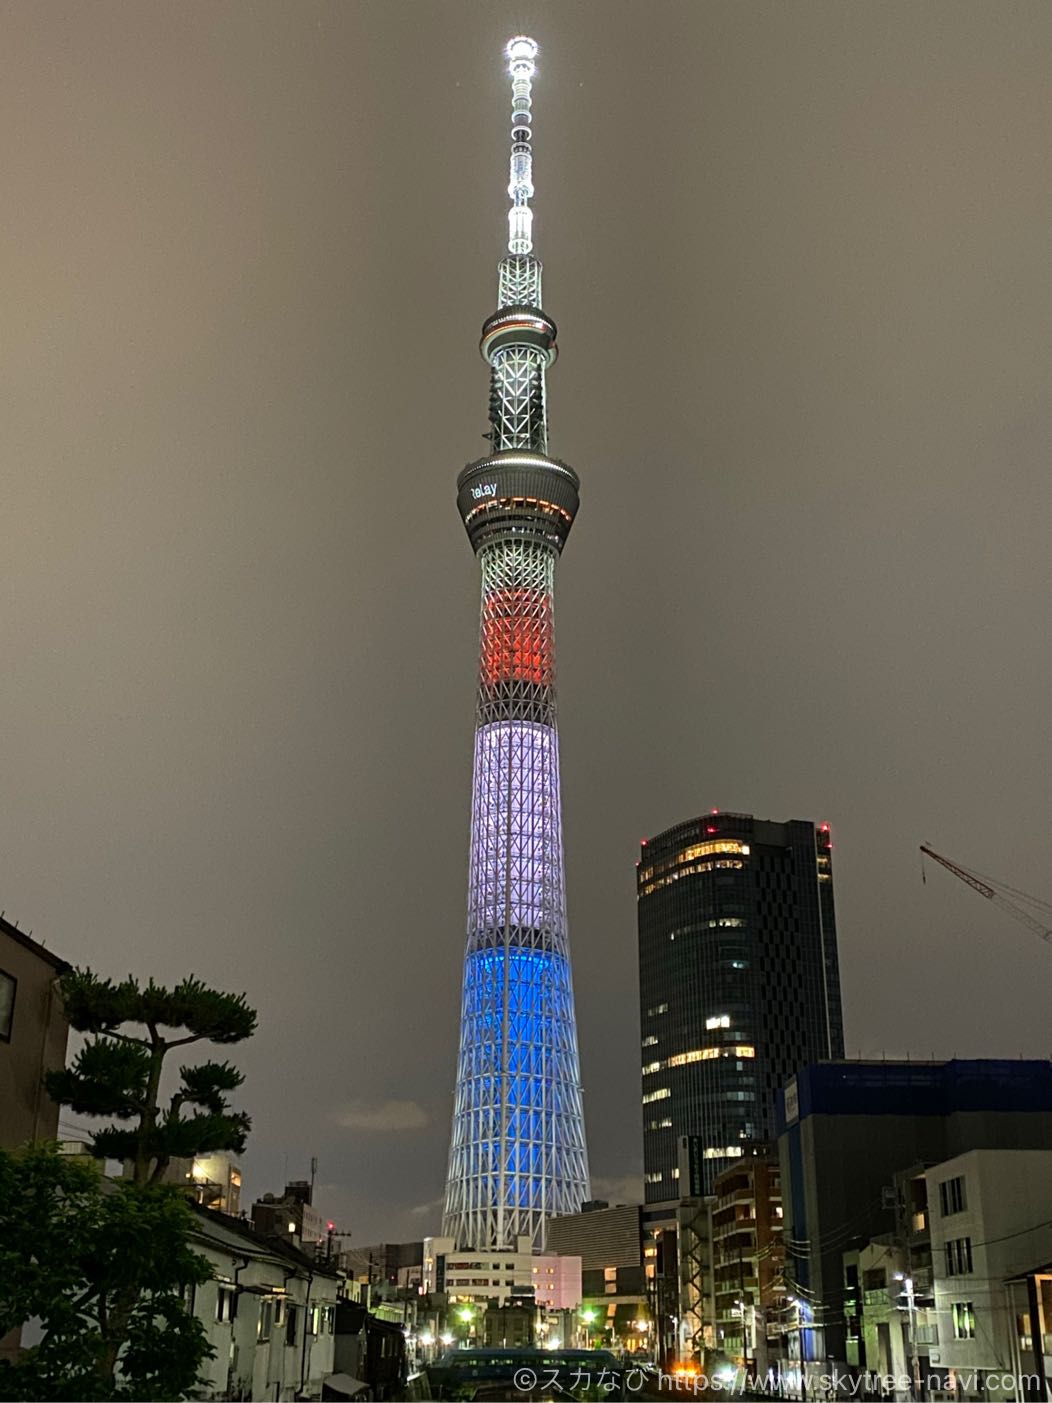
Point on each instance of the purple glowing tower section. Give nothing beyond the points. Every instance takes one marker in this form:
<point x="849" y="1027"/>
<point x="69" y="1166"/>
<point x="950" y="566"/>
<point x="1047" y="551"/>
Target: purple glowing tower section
<point x="517" y="1153"/>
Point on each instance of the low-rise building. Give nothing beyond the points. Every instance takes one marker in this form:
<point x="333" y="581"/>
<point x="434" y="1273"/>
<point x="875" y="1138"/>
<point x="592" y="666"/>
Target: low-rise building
<point x="474" y="1275"/>
<point x="748" y="1261"/>
<point x="34" y="1031"/>
<point x="609" y="1242"/>
<point x="293" y="1216"/>
<point x="848" y="1134"/>
<point x="991" y="1223"/>
<point x="398" y="1264"/>
<point x="269" y="1313"/>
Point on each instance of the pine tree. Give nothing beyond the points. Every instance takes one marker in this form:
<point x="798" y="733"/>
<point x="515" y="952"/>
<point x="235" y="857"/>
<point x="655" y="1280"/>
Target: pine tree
<point x="117" y="1073"/>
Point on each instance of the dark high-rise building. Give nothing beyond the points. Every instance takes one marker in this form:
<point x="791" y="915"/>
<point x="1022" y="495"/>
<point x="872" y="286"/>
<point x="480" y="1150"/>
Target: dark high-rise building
<point x="738" y="981"/>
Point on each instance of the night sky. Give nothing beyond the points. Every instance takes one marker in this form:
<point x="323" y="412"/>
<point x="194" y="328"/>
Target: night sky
<point x="799" y="259"/>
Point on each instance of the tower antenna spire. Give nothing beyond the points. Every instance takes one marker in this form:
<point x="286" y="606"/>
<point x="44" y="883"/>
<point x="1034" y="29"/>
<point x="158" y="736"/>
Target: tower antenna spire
<point x="521" y="53"/>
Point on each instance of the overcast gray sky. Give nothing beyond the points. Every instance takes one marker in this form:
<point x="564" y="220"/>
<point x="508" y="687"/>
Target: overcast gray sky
<point x="799" y="259"/>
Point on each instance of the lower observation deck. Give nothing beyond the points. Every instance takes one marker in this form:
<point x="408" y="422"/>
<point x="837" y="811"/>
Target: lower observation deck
<point x="517" y="494"/>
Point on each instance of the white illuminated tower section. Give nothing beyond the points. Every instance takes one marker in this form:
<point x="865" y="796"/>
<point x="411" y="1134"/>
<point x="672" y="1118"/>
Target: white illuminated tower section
<point x="517" y="1154"/>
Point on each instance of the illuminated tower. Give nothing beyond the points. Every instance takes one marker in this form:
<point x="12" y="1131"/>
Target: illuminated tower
<point x="517" y="1152"/>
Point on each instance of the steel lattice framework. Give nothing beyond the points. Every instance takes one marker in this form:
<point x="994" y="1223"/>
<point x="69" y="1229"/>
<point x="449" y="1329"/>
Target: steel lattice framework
<point x="517" y="1153"/>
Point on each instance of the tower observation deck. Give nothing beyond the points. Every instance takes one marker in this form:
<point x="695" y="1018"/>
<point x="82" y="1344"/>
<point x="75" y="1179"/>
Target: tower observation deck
<point x="517" y="1151"/>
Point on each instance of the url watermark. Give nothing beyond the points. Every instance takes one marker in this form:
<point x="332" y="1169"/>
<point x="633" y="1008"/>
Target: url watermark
<point x="736" y="1382"/>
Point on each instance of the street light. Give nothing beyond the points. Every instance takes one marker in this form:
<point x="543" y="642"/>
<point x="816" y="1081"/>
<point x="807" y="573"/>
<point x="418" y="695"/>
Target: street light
<point x="589" y="1315"/>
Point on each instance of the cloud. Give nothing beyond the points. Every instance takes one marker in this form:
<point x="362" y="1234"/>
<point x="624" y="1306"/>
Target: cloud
<point x="626" y="1189"/>
<point x="429" y="1209"/>
<point x="384" y="1117"/>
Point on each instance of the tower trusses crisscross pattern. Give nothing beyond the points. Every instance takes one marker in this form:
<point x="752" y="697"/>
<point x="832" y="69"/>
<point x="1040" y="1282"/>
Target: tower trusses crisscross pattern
<point x="517" y="1153"/>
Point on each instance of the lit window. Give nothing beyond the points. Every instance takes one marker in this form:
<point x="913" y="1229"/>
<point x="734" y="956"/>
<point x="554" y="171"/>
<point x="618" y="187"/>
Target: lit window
<point x="675" y="1173"/>
<point x="963" y="1320"/>
<point x="706" y="1054"/>
<point x="696" y="850"/>
<point x="661" y="1094"/>
<point x="650" y="1041"/>
<point x="651" y="1067"/>
<point x="654" y="1177"/>
<point x="658" y="1008"/>
<point x="719" y="1020"/>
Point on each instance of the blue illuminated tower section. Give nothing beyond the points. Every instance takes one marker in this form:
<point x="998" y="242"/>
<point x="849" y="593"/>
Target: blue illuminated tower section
<point x="517" y="1153"/>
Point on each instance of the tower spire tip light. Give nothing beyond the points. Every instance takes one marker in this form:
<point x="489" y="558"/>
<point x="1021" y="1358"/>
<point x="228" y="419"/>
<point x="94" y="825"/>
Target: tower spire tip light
<point x="521" y="53"/>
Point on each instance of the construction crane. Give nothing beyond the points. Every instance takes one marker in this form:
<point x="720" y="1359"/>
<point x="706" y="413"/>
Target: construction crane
<point x="994" y="892"/>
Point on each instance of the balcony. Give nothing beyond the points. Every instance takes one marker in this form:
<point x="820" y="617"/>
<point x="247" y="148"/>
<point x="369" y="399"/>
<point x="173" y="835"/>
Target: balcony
<point x="743" y="1195"/>
<point x="745" y="1228"/>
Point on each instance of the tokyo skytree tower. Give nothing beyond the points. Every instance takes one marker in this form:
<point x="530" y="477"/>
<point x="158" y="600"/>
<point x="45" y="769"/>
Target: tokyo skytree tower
<point x="517" y="1152"/>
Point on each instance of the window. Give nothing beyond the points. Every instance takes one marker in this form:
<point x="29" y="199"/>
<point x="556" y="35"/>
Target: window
<point x="963" y="1319"/>
<point x="654" y="1177"/>
<point x="661" y="1094"/>
<point x="265" y="1325"/>
<point x="959" y="1256"/>
<point x="8" y="985"/>
<point x="658" y="1008"/>
<point x="1023" y="1331"/>
<point x="951" y="1196"/>
<point x="226" y="1304"/>
<point x="650" y="1041"/>
<point x="719" y="1020"/>
<point x="651" y="1067"/>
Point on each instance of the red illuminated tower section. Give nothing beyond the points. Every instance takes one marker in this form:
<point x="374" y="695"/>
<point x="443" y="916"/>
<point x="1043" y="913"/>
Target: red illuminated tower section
<point x="517" y="1151"/>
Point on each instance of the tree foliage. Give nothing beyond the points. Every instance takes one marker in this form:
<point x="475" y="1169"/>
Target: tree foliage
<point x="104" y="1266"/>
<point x="117" y="1073"/>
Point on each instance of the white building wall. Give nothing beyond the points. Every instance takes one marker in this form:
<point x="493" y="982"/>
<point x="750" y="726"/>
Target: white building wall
<point x="245" y="1364"/>
<point x="1006" y="1216"/>
<point x="497" y="1276"/>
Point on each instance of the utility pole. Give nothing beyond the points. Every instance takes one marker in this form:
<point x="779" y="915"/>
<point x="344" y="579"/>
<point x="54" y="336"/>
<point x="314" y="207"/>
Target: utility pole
<point x="911" y="1307"/>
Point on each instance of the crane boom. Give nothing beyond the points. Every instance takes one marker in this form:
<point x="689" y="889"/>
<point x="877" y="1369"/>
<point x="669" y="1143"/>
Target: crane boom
<point x="991" y="892"/>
